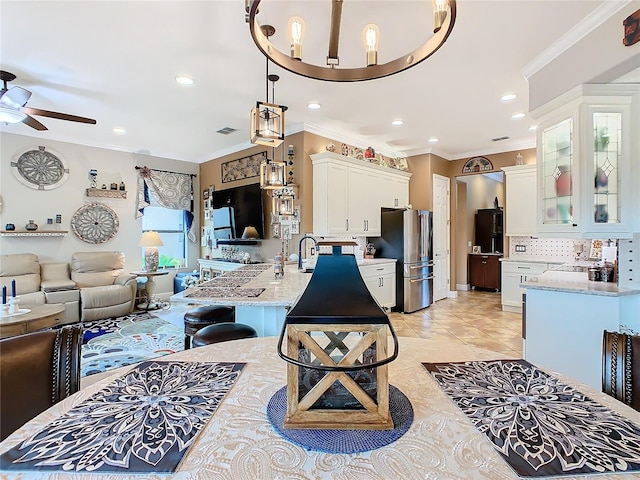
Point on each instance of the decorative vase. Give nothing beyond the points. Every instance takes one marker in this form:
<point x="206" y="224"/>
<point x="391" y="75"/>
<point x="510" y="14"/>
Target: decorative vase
<point x="31" y="226"/>
<point x="601" y="214"/>
<point x="9" y="227"/>
<point x="563" y="182"/>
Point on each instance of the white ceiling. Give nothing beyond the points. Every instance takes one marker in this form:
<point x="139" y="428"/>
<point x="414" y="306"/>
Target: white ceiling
<point x="116" y="61"/>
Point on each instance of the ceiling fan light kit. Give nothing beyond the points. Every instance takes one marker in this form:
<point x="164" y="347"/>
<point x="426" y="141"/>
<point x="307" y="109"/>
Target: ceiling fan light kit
<point x="444" y="16"/>
<point x="13" y="107"/>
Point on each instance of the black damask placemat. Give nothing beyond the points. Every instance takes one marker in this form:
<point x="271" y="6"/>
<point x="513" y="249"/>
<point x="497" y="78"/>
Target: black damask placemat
<point x="541" y="426"/>
<point x="143" y="422"/>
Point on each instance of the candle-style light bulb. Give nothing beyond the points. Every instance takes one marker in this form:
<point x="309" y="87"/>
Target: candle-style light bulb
<point x="296" y="35"/>
<point x="439" y="14"/>
<point x="371" y="36"/>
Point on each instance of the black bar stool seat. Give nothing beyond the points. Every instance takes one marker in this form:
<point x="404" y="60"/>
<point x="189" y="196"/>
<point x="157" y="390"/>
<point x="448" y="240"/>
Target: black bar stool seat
<point x="203" y="316"/>
<point x="222" y="332"/>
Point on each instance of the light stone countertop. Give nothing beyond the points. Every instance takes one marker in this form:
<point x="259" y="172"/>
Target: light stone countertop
<point x="531" y="260"/>
<point x="282" y="292"/>
<point x="573" y="282"/>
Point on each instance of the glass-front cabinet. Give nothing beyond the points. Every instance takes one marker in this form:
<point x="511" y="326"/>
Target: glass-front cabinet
<point x="589" y="182"/>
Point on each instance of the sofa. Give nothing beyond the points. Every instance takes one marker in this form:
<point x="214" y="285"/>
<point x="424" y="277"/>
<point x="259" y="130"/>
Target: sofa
<point x="105" y="290"/>
<point x="39" y="283"/>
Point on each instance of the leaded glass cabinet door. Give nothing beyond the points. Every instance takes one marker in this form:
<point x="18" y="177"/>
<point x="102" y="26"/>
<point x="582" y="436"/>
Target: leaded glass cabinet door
<point x="607" y="169"/>
<point x="558" y="175"/>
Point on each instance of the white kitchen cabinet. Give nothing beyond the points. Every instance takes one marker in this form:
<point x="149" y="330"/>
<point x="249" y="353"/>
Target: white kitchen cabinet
<point x="381" y="282"/>
<point x="520" y="204"/>
<point x="349" y="193"/>
<point x="514" y="274"/>
<point x="586" y="175"/>
<point x="393" y="191"/>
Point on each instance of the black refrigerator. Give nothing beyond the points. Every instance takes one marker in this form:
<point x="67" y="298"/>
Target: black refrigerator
<point x="406" y="235"/>
<point x="488" y="227"/>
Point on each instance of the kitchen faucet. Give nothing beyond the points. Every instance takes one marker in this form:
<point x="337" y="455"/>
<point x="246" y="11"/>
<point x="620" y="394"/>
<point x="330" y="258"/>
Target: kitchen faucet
<point x="300" y="248"/>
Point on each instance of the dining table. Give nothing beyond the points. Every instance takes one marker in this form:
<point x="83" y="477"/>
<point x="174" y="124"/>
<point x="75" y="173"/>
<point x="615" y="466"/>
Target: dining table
<point x="239" y="441"/>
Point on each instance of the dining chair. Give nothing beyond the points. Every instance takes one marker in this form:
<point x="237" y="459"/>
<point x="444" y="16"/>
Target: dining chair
<point x="621" y="367"/>
<point x="38" y="370"/>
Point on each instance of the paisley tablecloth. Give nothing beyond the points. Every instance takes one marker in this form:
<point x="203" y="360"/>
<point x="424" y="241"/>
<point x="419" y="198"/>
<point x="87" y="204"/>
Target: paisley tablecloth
<point x="240" y="443"/>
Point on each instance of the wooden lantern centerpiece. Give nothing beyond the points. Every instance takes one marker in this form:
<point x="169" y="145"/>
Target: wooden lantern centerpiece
<point x="337" y="351"/>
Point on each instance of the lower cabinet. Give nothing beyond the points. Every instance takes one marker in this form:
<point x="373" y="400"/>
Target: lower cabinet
<point x="381" y="281"/>
<point x="514" y="274"/>
<point x="484" y="271"/>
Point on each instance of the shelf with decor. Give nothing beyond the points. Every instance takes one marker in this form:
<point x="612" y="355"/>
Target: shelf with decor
<point x="101" y="192"/>
<point x="40" y="233"/>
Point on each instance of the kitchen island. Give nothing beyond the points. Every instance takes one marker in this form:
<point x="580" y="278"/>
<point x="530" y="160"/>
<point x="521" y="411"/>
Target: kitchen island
<point x="260" y="300"/>
<point x="565" y="317"/>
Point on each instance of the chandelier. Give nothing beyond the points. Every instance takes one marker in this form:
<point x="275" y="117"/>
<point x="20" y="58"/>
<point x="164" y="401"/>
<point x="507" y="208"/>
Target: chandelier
<point x="444" y="16"/>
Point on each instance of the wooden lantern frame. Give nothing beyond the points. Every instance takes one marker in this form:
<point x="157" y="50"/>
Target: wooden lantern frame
<point x="374" y="414"/>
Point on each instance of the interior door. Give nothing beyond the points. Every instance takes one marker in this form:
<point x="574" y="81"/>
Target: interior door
<point x="441" y="220"/>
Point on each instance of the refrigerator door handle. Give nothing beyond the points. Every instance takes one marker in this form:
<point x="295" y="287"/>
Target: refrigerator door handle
<point x="417" y="280"/>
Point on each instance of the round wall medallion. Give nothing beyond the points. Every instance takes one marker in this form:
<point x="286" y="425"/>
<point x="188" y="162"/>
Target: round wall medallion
<point x="95" y="223"/>
<point x="40" y="168"/>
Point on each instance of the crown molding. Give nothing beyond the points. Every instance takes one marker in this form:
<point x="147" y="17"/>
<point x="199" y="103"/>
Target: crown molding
<point x="588" y="24"/>
<point x="338" y="137"/>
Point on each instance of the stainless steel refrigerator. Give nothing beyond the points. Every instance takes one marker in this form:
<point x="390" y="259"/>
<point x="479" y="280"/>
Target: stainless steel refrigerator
<point x="407" y="235"/>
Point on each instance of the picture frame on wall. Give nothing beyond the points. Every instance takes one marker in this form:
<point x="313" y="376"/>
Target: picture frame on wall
<point x="206" y="204"/>
<point x="207" y="214"/>
<point x="205" y="194"/>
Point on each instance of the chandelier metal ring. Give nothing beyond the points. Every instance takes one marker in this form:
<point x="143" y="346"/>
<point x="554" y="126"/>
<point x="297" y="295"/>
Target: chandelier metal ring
<point x="371" y="72"/>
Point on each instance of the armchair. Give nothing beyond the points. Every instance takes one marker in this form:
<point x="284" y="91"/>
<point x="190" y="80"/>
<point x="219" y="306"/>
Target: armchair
<point x="25" y="269"/>
<point x="105" y="291"/>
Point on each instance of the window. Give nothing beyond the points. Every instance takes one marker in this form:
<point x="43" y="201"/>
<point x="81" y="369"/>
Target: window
<point x="170" y="225"/>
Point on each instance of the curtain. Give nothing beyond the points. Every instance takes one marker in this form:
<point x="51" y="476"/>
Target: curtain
<point x="159" y="188"/>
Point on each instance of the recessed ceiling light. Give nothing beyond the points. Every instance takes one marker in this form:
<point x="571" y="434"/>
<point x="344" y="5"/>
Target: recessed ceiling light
<point x="434" y="140"/>
<point x="397" y="122"/>
<point x="518" y="115"/>
<point x="533" y="128"/>
<point x="119" y="130"/>
<point x="313" y="106"/>
<point x="184" y="80"/>
<point x="507" y="97"/>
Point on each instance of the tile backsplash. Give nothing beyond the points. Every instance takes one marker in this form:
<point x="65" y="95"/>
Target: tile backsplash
<point x="554" y="249"/>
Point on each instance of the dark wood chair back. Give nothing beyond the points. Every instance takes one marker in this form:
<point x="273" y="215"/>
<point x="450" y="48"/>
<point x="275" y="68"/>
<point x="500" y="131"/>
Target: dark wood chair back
<point x="621" y="367"/>
<point x="37" y="370"/>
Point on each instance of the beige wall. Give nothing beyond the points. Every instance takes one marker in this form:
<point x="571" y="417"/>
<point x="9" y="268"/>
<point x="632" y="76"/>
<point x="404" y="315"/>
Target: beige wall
<point x="22" y="203"/>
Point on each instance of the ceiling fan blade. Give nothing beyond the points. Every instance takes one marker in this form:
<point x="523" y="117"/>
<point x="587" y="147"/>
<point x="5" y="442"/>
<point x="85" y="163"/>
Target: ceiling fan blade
<point x="33" y="123"/>
<point x="58" y="115"/>
<point x="15" y="97"/>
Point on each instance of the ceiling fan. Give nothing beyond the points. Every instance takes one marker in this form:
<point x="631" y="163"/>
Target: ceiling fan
<point x="13" y="109"/>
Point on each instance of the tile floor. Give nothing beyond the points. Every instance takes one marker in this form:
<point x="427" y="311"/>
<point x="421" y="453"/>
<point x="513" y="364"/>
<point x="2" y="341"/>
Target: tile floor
<point x="474" y="318"/>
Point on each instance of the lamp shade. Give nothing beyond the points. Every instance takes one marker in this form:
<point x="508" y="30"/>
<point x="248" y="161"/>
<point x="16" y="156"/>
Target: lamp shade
<point x="250" y="232"/>
<point x="150" y="239"/>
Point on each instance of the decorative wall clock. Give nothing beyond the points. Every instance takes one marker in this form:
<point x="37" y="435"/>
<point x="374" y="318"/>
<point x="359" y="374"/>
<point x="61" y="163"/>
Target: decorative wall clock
<point x="477" y="164"/>
<point x="95" y="223"/>
<point x="40" y="168"/>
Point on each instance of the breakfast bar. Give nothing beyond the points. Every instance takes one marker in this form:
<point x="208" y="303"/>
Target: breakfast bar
<point x="260" y="300"/>
<point x="565" y="316"/>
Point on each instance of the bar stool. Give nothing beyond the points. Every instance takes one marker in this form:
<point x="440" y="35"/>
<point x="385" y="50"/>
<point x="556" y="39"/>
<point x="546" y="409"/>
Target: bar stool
<point x="203" y="316"/>
<point x="222" y="332"/>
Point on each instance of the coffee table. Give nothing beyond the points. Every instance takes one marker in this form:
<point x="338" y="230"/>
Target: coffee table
<point x="41" y="316"/>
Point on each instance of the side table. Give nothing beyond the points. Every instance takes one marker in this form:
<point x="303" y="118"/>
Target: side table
<point x="37" y="318"/>
<point x="151" y="287"/>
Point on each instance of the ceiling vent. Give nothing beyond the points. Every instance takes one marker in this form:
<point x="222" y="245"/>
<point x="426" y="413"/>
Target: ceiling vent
<point x="499" y="139"/>
<point x="226" y="130"/>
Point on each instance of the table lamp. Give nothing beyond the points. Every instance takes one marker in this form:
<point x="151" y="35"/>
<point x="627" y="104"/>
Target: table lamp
<point x="250" y="232"/>
<point x="150" y="240"/>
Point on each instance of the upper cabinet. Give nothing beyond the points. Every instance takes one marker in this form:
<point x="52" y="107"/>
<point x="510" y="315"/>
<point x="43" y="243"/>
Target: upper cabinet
<point x="348" y="194"/>
<point x="587" y="179"/>
<point x="520" y="202"/>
